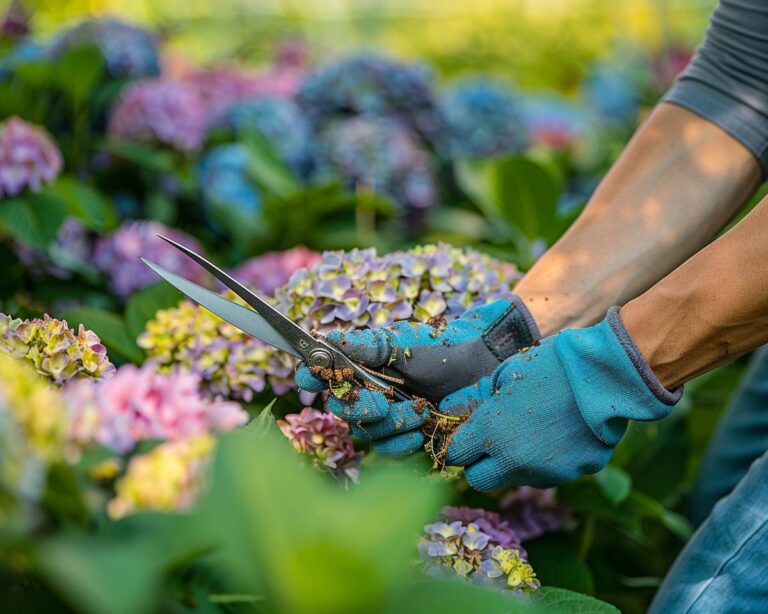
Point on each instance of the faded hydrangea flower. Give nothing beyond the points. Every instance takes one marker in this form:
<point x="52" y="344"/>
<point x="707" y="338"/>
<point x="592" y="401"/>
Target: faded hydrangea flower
<point x="266" y="273"/>
<point x="498" y="530"/>
<point x="225" y="179"/>
<point x="554" y="121"/>
<point x="374" y="86"/>
<point x="532" y="512"/>
<point x="280" y="121"/>
<point x="229" y="362"/>
<point x="611" y="94"/>
<point x="482" y="118"/>
<point x="29" y="159"/>
<point x="118" y="255"/>
<point x="167" y="478"/>
<point x="128" y="51"/>
<point x="458" y="549"/>
<point x="324" y="438"/>
<point x="342" y="290"/>
<point x="139" y="404"/>
<point x="54" y="349"/>
<point x="378" y="155"/>
<point x="160" y="111"/>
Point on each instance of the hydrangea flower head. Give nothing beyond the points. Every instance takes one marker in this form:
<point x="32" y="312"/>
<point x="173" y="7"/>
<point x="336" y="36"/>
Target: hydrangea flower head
<point x="280" y="121"/>
<point x="378" y="155"/>
<point x="611" y="94"/>
<point x="268" y="272"/>
<point x="229" y="362"/>
<point x="54" y="349"/>
<point x="139" y="404"/>
<point x="532" y="512"/>
<point x="554" y="121"/>
<point x="160" y="111"/>
<point x="324" y="438"/>
<point x="225" y="179"/>
<point x="29" y="159"/>
<point x="371" y="85"/>
<point x="507" y="569"/>
<point x="482" y="118"/>
<point x="117" y="255"/>
<point x="490" y="523"/>
<point x="128" y="51"/>
<point x="167" y="478"/>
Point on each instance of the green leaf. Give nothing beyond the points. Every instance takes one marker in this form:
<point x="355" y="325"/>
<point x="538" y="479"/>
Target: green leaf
<point x="555" y="558"/>
<point x="651" y="508"/>
<point x="144" y="156"/>
<point x="614" y="483"/>
<point x="78" y="71"/>
<point x="144" y="304"/>
<point x="560" y="600"/>
<point x="516" y="189"/>
<point x="109" y="327"/>
<point x="85" y="203"/>
<point x="33" y="220"/>
<point x="267" y="169"/>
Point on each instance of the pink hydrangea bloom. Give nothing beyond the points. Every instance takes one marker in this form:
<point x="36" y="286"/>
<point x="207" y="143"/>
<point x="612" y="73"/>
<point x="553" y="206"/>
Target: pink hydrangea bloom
<point x="29" y="159"/>
<point x="139" y="403"/>
<point x="272" y="270"/>
<point x="117" y="255"/>
<point x="161" y="111"/>
<point x="324" y="438"/>
<point x="532" y="512"/>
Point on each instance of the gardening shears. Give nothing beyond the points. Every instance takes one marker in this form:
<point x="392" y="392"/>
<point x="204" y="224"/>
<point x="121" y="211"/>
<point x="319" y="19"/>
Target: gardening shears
<point x="270" y="326"/>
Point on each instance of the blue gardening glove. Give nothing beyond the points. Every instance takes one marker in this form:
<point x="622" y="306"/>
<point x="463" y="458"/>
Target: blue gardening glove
<point x="434" y="360"/>
<point x="557" y="411"/>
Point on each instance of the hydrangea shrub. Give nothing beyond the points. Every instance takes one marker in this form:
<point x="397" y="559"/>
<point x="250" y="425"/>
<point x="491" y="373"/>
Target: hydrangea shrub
<point x="29" y="159"/>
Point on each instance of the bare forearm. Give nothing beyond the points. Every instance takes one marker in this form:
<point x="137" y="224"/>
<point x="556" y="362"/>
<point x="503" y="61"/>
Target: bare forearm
<point x="679" y="181"/>
<point x="708" y="311"/>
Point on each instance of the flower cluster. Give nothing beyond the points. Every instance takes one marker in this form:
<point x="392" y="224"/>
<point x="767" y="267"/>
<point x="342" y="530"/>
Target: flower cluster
<point x="229" y="362"/>
<point x="29" y="159"/>
<point x="464" y="550"/>
<point x="378" y="155"/>
<point x="117" y="255"/>
<point x="54" y="349"/>
<point x="532" y="512"/>
<point x="279" y="121"/>
<point x="268" y="272"/>
<point x="225" y="179"/>
<point x="359" y="288"/>
<point x="498" y="530"/>
<point x="139" y="404"/>
<point x="612" y="95"/>
<point x="167" y="478"/>
<point x="160" y="111"/>
<point x="482" y="119"/>
<point x="326" y="439"/>
<point x="128" y="51"/>
<point x="371" y="85"/>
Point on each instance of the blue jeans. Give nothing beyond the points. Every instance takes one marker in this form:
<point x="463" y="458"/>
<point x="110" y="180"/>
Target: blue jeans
<point x="723" y="567"/>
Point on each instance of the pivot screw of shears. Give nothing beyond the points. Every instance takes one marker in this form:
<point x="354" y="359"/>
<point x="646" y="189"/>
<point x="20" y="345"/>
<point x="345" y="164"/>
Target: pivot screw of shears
<point x="320" y="358"/>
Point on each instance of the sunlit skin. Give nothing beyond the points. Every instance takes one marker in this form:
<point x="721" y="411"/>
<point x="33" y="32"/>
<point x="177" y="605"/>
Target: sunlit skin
<point x="680" y="180"/>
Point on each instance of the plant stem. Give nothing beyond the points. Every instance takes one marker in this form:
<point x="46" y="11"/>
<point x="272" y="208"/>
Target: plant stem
<point x="587" y="537"/>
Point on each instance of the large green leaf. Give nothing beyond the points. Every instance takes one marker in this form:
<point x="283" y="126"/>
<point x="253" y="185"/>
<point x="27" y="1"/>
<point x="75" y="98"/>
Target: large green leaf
<point x="143" y="305"/>
<point x="78" y="72"/>
<point x="85" y="203"/>
<point x="267" y="169"/>
<point x="520" y="191"/>
<point x="560" y="600"/>
<point x="109" y="327"/>
<point x="33" y="220"/>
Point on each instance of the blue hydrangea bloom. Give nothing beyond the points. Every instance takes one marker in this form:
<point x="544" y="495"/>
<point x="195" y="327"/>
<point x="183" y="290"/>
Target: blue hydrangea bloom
<point x="380" y="155"/>
<point x="482" y="118"/>
<point x="611" y="94"/>
<point x="128" y="51"/>
<point x="280" y="121"/>
<point x="554" y="121"/>
<point x="372" y="85"/>
<point x="224" y="179"/>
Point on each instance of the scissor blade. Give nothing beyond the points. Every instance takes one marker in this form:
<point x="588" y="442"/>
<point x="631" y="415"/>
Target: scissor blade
<point x="289" y="330"/>
<point x="243" y="318"/>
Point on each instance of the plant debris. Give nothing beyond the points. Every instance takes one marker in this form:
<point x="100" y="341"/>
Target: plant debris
<point x="438" y="324"/>
<point x="341" y="382"/>
<point x="438" y="429"/>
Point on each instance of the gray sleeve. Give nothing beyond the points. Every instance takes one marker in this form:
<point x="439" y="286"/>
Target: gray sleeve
<point x="727" y="80"/>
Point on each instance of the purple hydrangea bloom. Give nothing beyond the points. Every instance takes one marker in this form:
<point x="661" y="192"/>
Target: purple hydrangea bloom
<point x="160" y="111"/>
<point x="278" y="120"/>
<point x="499" y="531"/>
<point x="266" y="273"/>
<point x="117" y="255"/>
<point x="532" y="512"/>
<point x="128" y="51"/>
<point x="378" y="155"/>
<point x="482" y="118"/>
<point x="612" y="95"/>
<point x="225" y="179"/>
<point x="375" y="86"/>
<point x="70" y="249"/>
<point x="29" y="159"/>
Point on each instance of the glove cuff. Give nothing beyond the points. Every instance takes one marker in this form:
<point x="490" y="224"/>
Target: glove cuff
<point x="512" y="331"/>
<point x="666" y="396"/>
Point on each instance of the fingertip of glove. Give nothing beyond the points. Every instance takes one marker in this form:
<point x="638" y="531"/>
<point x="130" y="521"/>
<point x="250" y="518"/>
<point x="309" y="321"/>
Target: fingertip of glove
<point x="400" y="445"/>
<point x="367" y="407"/>
<point x="307" y="381"/>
